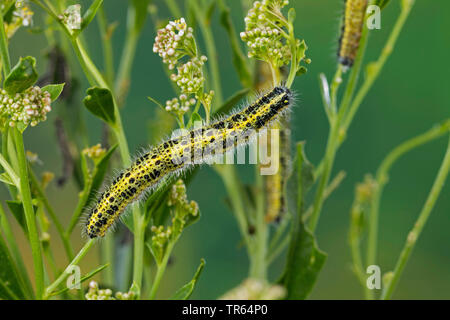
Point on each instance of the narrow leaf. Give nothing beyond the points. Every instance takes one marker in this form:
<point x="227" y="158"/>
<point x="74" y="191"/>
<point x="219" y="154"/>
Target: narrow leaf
<point x="10" y="287"/>
<point x="22" y="76"/>
<point x="304" y="260"/>
<point x="83" y="279"/>
<point x="186" y="291"/>
<point x="4" y="177"/>
<point x="232" y="101"/>
<point x="100" y="103"/>
<point x="54" y="90"/>
<point x="90" y="14"/>
<point x="239" y="60"/>
<point x="140" y="12"/>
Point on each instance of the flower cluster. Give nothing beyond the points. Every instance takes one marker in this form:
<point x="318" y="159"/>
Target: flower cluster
<point x="264" y="33"/>
<point x="184" y="212"/>
<point x="95" y="152"/>
<point x="190" y="76"/>
<point x="178" y="198"/>
<point x="254" y="289"/>
<point x="173" y="43"/>
<point x="28" y="107"/>
<point x="95" y="293"/>
<point x="21" y="16"/>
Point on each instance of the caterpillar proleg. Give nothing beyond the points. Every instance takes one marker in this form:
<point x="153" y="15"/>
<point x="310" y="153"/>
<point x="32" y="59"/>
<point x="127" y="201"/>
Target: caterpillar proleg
<point x="351" y="31"/>
<point x="182" y="152"/>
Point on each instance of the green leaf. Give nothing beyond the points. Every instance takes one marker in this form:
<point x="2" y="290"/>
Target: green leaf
<point x="240" y="61"/>
<point x="22" y="76"/>
<point x="90" y="14"/>
<point x="4" y="177"/>
<point x="10" y="287"/>
<point x="54" y="90"/>
<point x="231" y="102"/>
<point x="83" y="279"/>
<point x="16" y="208"/>
<point x="185" y="291"/>
<point x="100" y="103"/>
<point x="304" y="260"/>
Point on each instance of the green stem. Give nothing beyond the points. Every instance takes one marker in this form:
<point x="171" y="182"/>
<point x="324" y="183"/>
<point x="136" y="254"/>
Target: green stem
<point x="161" y="268"/>
<point x="9" y="235"/>
<point x="95" y="78"/>
<point x="212" y="54"/>
<point x="29" y="215"/>
<point x="128" y="54"/>
<point x="84" y="196"/>
<point x="4" y="53"/>
<point x="234" y="190"/>
<point x="294" y="63"/>
<point x="382" y="178"/>
<point x="68" y="270"/>
<point x="419" y="225"/>
<point x="107" y="46"/>
<point x="138" y="257"/>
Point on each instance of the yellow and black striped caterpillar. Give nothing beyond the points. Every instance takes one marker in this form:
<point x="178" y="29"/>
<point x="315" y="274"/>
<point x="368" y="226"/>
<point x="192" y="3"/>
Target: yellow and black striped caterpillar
<point x="351" y="31"/>
<point x="188" y="149"/>
<point x="276" y="183"/>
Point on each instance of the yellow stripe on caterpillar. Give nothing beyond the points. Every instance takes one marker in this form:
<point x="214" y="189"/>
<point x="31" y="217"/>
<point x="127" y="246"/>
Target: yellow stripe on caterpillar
<point x="276" y="204"/>
<point x="182" y="152"/>
<point x="351" y="31"/>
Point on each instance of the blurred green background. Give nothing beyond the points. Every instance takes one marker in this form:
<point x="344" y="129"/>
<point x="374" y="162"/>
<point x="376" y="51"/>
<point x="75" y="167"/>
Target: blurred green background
<point x="410" y="96"/>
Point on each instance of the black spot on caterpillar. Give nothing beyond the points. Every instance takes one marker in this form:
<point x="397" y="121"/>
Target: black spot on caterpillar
<point x="190" y="148"/>
<point x="351" y="31"/>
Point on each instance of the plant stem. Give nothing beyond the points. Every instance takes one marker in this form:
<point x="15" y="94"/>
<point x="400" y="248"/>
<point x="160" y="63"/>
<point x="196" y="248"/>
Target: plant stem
<point x="161" y="268"/>
<point x="234" y="190"/>
<point x="29" y="215"/>
<point x="138" y="257"/>
<point x="419" y="225"/>
<point x="382" y="178"/>
<point x="68" y="270"/>
<point x="9" y="235"/>
<point x="80" y="206"/>
<point x="128" y="54"/>
<point x="212" y="54"/>
<point x="51" y="212"/>
<point x="107" y="47"/>
<point x="4" y="53"/>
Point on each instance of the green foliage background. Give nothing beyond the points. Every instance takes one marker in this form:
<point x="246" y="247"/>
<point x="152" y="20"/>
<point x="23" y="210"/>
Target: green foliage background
<point x="411" y="95"/>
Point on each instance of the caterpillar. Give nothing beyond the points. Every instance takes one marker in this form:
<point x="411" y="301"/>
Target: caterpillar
<point x="174" y="155"/>
<point x="276" y="183"/>
<point x="351" y="31"/>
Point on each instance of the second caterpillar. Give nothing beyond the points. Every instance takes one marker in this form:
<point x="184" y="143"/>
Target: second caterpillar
<point x="181" y="152"/>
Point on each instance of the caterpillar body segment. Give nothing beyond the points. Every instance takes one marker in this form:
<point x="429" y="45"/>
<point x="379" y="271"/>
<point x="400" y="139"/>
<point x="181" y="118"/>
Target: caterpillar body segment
<point x="190" y="148"/>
